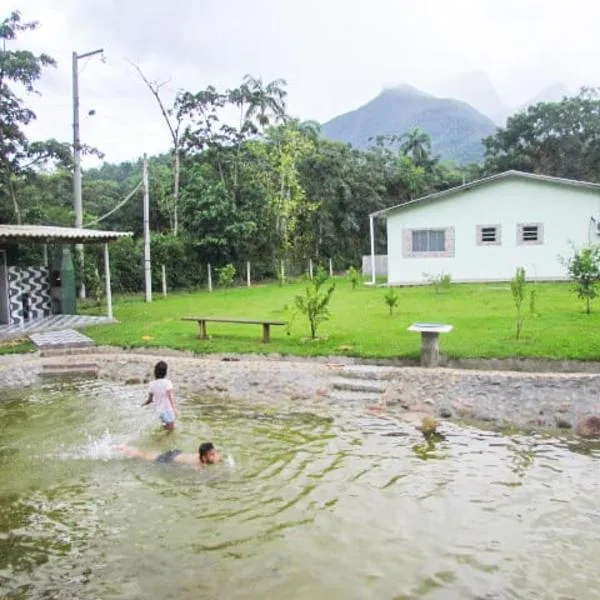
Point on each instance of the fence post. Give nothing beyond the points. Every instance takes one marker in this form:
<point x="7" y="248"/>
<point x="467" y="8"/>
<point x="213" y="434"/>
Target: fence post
<point x="209" y="278"/>
<point x="310" y="268"/>
<point x="164" y="280"/>
<point x="248" y="279"/>
<point x="330" y="268"/>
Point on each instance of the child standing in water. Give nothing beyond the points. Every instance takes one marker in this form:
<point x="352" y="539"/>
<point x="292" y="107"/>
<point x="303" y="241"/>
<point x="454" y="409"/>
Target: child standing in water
<point x="161" y="394"/>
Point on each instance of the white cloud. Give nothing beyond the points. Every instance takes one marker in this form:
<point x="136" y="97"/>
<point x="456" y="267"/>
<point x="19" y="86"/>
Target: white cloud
<point x="335" y="54"/>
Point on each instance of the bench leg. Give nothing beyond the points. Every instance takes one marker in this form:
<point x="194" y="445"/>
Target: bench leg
<point x="203" y="335"/>
<point x="266" y="333"/>
<point x="430" y="349"/>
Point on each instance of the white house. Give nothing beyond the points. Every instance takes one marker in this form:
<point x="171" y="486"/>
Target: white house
<point x="486" y="229"/>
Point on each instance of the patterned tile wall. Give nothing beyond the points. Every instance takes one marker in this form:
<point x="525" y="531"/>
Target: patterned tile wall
<point x="28" y="294"/>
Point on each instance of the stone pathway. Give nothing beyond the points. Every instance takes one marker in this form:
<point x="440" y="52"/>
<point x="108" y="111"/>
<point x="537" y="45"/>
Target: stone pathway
<point x="65" y="338"/>
<point x="52" y="323"/>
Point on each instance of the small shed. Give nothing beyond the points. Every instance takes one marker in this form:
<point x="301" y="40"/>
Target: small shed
<point x="36" y="291"/>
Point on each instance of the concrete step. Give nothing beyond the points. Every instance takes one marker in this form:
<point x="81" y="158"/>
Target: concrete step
<point x="366" y="372"/>
<point x="72" y="369"/>
<point x="359" y="385"/>
<point x="68" y="351"/>
<point x="347" y="397"/>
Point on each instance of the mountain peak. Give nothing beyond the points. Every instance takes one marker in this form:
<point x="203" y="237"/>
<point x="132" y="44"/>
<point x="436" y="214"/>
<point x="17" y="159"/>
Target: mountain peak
<point x="403" y="89"/>
<point x="475" y="88"/>
<point x="456" y="128"/>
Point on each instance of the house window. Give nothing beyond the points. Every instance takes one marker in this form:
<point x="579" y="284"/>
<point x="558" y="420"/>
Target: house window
<point x="530" y="233"/>
<point x="428" y="243"/>
<point x="429" y="240"/>
<point x="488" y="235"/>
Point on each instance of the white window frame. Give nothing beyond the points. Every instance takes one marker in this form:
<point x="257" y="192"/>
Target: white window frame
<point x="407" y="243"/>
<point x="521" y="241"/>
<point x="481" y="242"/>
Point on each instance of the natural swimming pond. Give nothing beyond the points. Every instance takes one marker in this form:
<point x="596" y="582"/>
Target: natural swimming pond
<point x="341" y="504"/>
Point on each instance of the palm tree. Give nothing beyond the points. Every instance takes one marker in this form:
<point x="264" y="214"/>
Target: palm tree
<point x="266" y="102"/>
<point x="417" y="144"/>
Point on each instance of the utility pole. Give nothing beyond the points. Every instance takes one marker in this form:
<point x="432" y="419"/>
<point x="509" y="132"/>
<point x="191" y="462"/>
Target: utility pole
<point x="147" y="260"/>
<point x="77" y="160"/>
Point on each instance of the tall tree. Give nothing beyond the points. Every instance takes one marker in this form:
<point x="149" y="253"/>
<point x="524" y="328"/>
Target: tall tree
<point x="173" y="118"/>
<point x="287" y="147"/>
<point x="551" y="138"/>
<point x="19" y="156"/>
<point x="266" y="101"/>
<point x="417" y="144"/>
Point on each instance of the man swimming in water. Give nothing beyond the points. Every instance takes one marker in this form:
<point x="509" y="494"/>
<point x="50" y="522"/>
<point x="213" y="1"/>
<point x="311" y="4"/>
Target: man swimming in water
<point x="207" y="455"/>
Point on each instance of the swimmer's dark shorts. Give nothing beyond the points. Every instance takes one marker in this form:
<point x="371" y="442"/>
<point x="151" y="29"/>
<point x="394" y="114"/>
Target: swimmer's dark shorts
<point x="167" y="457"/>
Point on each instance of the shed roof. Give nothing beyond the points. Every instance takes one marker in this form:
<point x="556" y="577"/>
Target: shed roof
<point x="481" y="182"/>
<point x="43" y="234"/>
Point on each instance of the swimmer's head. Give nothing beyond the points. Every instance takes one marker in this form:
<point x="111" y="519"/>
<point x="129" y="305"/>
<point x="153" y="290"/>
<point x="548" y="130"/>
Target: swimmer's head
<point x="160" y="369"/>
<point x="208" y="454"/>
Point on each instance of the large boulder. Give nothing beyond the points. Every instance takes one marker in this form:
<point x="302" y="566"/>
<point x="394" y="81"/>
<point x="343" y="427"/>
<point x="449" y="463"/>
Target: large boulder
<point x="589" y="427"/>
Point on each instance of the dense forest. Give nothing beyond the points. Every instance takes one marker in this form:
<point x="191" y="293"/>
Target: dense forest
<point x="267" y="188"/>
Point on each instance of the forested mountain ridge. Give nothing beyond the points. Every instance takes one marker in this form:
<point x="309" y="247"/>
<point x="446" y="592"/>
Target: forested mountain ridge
<point x="456" y="128"/>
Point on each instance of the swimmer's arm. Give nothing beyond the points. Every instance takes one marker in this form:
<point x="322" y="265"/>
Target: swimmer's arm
<point x="149" y="400"/>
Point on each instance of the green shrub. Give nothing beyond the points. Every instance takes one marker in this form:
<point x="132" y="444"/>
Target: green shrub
<point x="314" y="302"/>
<point x="391" y="299"/>
<point x="517" y="287"/>
<point x="584" y="271"/>
<point x="441" y="281"/>
<point x="354" y="276"/>
<point x="226" y="275"/>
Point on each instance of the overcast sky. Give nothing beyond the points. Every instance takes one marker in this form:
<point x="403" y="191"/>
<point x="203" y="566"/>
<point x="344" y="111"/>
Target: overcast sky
<point x="334" y="54"/>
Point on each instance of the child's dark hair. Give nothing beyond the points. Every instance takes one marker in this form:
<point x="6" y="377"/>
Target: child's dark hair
<point x="205" y="448"/>
<point x="160" y="369"/>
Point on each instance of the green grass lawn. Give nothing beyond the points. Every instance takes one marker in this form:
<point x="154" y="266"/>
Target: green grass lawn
<point x="483" y="317"/>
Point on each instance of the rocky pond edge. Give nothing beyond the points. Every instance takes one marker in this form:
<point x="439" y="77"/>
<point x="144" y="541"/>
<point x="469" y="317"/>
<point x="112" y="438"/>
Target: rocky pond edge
<point x="557" y="400"/>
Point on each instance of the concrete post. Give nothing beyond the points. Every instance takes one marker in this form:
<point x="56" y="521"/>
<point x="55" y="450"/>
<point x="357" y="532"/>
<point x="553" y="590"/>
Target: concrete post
<point x="430" y="349"/>
<point x="372" y="235"/>
<point x="109" y="310"/>
<point x="164" y="280"/>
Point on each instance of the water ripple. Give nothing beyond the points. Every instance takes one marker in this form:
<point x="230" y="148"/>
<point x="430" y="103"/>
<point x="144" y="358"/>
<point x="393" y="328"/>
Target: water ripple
<point x="337" y="504"/>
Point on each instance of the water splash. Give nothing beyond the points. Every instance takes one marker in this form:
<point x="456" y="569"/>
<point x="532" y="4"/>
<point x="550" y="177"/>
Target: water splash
<point x="95" y="448"/>
<point x="100" y="448"/>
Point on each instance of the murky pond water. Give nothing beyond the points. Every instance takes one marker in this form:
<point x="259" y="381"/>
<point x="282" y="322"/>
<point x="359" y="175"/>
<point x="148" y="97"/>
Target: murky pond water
<point x="344" y="504"/>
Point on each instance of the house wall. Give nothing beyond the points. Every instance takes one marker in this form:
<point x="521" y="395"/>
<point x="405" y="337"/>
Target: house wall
<point x="33" y="282"/>
<point x="563" y="211"/>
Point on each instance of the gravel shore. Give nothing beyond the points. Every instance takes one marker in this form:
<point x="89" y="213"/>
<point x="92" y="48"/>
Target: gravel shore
<point x="548" y="400"/>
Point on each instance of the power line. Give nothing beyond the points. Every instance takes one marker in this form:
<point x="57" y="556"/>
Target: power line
<point x="116" y="208"/>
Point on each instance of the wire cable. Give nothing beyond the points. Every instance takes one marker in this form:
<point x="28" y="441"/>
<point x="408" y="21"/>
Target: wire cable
<point x="116" y="208"/>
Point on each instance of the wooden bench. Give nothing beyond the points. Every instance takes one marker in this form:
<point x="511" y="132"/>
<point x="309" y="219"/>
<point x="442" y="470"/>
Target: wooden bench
<point x="266" y="325"/>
